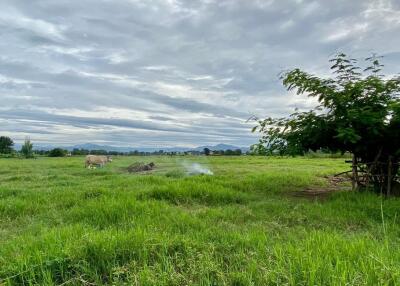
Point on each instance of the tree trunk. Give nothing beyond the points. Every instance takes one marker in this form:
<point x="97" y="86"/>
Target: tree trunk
<point x="354" y="179"/>
<point x="389" y="177"/>
<point x="383" y="176"/>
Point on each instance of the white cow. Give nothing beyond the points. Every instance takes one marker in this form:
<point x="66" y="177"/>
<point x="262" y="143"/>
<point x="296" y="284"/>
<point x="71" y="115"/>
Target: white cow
<point x="98" y="160"/>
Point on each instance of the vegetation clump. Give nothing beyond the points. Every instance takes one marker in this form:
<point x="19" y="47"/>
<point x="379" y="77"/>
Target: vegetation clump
<point x="27" y="149"/>
<point x="6" y="145"/>
<point x="57" y="152"/>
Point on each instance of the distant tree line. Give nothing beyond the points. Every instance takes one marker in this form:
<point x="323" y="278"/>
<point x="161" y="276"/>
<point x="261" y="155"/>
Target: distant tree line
<point x="28" y="151"/>
<point x="228" y="152"/>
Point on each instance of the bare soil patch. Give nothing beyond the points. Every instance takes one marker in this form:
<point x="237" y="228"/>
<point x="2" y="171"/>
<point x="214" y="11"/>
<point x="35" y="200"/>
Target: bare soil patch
<point x="335" y="184"/>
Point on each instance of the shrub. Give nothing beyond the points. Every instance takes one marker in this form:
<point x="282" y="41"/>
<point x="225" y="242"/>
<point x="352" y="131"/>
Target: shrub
<point x="57" y="152"/>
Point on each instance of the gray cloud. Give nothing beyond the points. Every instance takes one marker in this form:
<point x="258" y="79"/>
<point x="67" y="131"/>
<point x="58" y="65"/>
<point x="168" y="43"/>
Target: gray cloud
<point x="171" y="72"/>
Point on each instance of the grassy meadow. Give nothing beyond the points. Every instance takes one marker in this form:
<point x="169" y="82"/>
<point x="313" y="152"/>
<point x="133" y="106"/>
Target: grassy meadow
<point x="62" y="224"/>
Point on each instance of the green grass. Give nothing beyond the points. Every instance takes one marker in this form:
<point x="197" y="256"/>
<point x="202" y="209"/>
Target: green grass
<point x="63" y="224"/>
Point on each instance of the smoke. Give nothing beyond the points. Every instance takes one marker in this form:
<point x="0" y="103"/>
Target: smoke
<point x="196" y="168"/>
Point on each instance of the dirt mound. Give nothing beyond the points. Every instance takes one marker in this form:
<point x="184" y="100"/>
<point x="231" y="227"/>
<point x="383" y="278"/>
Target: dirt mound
<point x="141" y="167"/>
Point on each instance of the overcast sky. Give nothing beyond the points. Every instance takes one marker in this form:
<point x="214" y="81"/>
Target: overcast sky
<point x="168" y="72"/>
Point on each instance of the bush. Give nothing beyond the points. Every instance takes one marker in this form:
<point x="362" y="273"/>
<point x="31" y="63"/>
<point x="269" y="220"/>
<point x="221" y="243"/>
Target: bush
<point x="57" y="152"/>
<point x="6" y="145"/>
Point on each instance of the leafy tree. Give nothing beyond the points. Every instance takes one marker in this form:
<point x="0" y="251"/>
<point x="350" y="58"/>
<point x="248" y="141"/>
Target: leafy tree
<point x="98" y="152"/>
<point x="206" y="151"/>
<point x="77" y="151"/>
<point x="258" y="149"/>
<point x="57" y="152"/>
<point x="358" y="112"/>
<point x="27" y="149"/>
<point x="41" y="152"/>
<point x="6" y="145"/>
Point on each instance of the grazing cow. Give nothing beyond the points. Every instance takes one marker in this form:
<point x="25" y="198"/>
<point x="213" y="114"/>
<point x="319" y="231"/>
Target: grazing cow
<point x="97" y="160"/>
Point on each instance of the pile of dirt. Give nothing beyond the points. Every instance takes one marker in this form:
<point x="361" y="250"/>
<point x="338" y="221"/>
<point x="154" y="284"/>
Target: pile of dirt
<point x="141" y="167"/>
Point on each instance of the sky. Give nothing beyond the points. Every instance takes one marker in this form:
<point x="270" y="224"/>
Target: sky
<point x="165" y="73"/>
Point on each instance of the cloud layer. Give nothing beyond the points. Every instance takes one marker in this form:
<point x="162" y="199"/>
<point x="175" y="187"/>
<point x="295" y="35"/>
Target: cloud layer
<point x="169" y="72"/>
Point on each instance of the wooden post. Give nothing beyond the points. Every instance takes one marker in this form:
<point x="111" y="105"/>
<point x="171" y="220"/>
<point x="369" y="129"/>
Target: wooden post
<point x="354" y="180"/>
<point x="389" y="178"/>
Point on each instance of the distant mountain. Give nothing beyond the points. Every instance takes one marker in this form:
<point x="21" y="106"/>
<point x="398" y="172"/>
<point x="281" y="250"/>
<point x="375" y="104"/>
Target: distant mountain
<point x="89" y="146"/>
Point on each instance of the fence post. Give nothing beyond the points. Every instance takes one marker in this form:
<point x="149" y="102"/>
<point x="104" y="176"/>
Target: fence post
<point x="354" y="180"/>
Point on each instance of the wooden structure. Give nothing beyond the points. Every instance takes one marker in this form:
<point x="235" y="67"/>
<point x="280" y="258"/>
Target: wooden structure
<point x="382" y="177"/>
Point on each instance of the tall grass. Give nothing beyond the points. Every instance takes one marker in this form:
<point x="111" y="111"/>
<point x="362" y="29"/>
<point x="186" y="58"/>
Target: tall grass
<point x="63" y="224"/>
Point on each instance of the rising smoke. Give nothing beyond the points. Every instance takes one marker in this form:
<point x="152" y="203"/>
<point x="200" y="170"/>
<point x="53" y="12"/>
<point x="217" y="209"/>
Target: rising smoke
<point x="196" y="168"/>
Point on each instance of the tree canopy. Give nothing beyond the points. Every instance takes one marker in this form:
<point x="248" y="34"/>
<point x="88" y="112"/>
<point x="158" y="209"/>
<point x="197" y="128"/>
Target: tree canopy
<point x="27" y="149"/>
<point x="57" y="152"/>
<point x="6" y="145"/>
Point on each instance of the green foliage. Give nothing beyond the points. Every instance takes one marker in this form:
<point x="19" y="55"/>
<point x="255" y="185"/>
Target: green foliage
<point x="206" y="151"/>
<point x="62" y="224"/>
<point x="6" y="145"/>
<point x="78" y="152"/>
<point x="358" y="113"/>
<point x="228" y="152"/>
<point x="27" y="149"/>
<point x="57" y="152"/>
<point x="259" y="149"/>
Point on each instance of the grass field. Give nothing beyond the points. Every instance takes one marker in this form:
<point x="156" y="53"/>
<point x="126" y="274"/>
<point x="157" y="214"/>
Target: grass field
<point x="63" y="224"/>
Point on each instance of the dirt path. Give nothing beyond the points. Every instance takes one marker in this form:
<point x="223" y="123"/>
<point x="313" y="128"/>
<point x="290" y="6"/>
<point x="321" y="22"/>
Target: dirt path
<point x="336" y="184"/>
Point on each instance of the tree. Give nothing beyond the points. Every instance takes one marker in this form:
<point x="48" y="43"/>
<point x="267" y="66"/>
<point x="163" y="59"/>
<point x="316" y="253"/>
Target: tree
<point x="27" y="149"/>
<point x="206" y="151"/>
<point x="258" y="149"/>
<point x="57" y="152"/>
<point x="98" y="152"/>
<point x="77" y="151"/>
<point x="358" y="112"/>
<point x="6" y="145"/>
